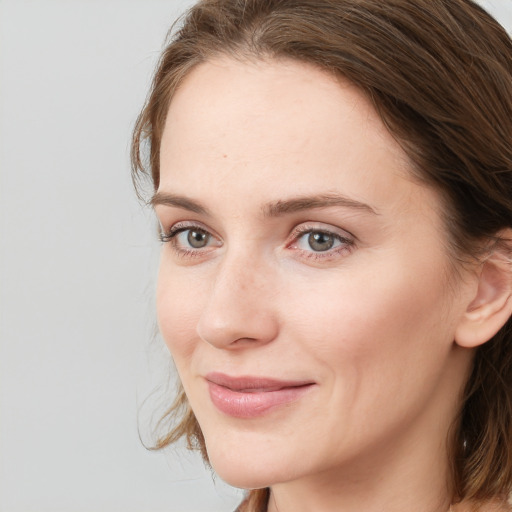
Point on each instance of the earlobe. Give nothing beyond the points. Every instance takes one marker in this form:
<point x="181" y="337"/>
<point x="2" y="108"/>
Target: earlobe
<point x="491" y="307"/>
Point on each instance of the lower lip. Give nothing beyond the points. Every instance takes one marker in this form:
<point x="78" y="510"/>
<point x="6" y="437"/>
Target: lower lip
<point x="253" y="404"/>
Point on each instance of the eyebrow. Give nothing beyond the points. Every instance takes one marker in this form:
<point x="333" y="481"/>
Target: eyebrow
<point x="272" y="209"/>
<point x="162" y="198"/>
<point x="297" y="204"/>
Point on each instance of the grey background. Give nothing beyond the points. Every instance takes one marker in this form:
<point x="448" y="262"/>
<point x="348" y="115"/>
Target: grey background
<point x="78" y="259"/>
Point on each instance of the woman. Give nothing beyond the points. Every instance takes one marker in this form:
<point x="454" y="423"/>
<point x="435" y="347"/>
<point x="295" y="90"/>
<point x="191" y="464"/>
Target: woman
<point x="333" y="181"/>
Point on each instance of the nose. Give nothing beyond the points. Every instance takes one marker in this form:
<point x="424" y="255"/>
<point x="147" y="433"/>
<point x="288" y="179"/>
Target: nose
<point x="240" y="308"/>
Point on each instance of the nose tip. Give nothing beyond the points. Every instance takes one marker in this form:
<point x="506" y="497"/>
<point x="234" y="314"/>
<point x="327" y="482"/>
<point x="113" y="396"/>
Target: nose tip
<point x="239" y="310"/>
<point x="230" y="332"/>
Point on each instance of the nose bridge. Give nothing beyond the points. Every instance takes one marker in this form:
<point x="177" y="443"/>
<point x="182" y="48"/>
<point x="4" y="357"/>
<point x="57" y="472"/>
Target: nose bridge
<point x="240" y="306"/>
<point x="237" y="272"/>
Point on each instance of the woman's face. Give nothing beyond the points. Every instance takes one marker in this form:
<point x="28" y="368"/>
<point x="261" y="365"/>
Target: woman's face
<point x="305" y="289"/>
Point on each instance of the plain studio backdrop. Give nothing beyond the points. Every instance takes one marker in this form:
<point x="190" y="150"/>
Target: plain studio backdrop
<point x="78" y="262"/>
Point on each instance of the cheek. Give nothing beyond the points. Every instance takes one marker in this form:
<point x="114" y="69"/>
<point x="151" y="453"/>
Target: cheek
<point x="378" y="347"/>
<point x="178" y="309"/>
<point x="359" y="321"/>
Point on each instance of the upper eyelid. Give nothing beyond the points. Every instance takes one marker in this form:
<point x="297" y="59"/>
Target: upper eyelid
<point x="170" y="236"/>
<point x="343" y="240"/>
<point x="184" y="225"/>
<point x="310" y="227"/>
<point x="296" y="231"/>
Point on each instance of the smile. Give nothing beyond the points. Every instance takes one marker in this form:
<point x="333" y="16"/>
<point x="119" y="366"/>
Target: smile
<point x="250" y="397"/>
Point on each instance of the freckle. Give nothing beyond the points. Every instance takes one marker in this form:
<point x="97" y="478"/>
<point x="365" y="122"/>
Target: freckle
<point x="224" y="156"/>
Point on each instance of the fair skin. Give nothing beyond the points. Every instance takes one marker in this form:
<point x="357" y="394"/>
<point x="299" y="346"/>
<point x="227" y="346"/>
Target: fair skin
<point x="300" y="249"/>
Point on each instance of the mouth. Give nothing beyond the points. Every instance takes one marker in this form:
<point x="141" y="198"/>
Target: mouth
<point x="250" y="397"/>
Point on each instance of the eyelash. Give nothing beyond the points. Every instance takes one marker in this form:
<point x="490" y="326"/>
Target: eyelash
<point x="170" y="237"/>
<point x="346" y="243"/>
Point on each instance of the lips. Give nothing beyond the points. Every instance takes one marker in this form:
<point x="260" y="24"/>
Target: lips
<point x="250" y="397"/>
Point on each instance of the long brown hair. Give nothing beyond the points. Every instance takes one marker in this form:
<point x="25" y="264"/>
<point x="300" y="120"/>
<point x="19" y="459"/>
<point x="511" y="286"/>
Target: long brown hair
<point x="439" y="73"/>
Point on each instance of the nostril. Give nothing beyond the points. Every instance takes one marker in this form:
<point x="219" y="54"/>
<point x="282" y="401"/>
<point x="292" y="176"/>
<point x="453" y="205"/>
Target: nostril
<point x="242" y="341"/>
<point x="236" y="328"/>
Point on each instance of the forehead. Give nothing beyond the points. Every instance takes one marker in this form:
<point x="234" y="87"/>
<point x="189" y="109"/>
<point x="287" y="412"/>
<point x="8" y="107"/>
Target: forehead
<point x="234" y="127"/>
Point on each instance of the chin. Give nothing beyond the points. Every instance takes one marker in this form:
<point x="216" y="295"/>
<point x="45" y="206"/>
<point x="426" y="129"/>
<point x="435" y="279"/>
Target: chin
<point x="247" y="480"/>
<point x="245" y="470"/>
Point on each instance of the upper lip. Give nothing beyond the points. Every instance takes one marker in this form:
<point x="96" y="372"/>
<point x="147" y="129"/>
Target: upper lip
<point x="253" y="383"/>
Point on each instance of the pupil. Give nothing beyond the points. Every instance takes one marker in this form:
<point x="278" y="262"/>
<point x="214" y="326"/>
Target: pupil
<point x="197" y="239"/>
<point x="320" y="241"/>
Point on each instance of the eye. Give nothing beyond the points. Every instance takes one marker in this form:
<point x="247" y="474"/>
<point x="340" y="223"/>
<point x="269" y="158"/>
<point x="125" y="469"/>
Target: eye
<point x="195" y="238"/>
<point x="188" y="239"/>
<point x="317" y="243"/>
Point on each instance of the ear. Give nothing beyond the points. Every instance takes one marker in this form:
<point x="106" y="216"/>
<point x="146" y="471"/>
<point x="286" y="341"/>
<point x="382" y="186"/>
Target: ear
<point x="491" y="307"/>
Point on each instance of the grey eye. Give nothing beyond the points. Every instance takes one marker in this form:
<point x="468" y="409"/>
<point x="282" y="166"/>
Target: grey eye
<point x="319" y="241"/>
<point x="197" y="239"/>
